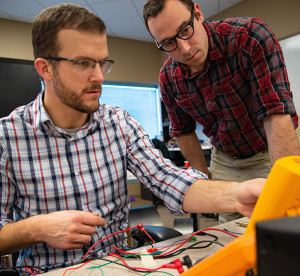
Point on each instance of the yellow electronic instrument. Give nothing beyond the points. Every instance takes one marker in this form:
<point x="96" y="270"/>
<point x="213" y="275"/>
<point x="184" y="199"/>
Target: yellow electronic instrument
<point x="280" y="197"/>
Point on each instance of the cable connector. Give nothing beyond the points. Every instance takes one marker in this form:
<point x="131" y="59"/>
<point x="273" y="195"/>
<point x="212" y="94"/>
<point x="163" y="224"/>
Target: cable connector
<point x="176" y="264"/>
<point x="187" y="261"/>
<point x="142" y="228"/>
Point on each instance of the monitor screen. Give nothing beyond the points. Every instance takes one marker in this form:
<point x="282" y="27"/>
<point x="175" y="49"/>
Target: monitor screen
<point x="19" y="84"/>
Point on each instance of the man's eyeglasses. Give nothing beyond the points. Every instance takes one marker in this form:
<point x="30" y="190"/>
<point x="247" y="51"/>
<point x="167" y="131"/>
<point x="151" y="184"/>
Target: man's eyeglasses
<point x="184" y="33"/>
<point x="87" y="65"/>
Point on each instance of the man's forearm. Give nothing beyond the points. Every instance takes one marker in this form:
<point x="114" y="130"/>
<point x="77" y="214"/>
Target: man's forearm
<point x="208" y="196"/>
<point x="281" y="136"/>
<point x="192" y="151"/>
<point x="15" y="236"/>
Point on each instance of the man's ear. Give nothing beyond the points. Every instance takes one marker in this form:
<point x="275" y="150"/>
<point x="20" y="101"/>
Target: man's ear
<point x="43" y="68"/>
<point x="198" y="12"/>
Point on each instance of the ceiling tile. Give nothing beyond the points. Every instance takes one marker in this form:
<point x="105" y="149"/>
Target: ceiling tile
<point x="98" y="1"/>
<point x="19" y="8"/>
<point x="139" y="5"/>
<point x="115" y="9"/>
<point x="123" y="18"/>
<point x="58" y="2"/>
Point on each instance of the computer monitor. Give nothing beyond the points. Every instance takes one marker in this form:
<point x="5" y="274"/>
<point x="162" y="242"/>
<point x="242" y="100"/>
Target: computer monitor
<point x="19" y="84"/>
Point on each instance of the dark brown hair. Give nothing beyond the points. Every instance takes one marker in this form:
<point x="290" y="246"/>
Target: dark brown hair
<point x="153" y="7"/>
<point x="65" y="16"/>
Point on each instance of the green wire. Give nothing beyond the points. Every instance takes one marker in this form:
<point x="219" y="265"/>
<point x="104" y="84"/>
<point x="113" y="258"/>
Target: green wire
<point x="99" y="266"/>
<point x="102" y="273"/>
<point x="159" y="272"/>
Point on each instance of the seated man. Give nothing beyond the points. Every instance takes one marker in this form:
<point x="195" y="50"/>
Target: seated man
<point x="64" y="156"/>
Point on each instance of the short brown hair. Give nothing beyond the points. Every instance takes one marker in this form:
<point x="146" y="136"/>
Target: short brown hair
<point x="65" y="16"/>
<point x="153" y="7"/>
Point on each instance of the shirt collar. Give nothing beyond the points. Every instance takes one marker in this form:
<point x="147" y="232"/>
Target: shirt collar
<point x="216" y="49"/>
<point x="40" y="114"/>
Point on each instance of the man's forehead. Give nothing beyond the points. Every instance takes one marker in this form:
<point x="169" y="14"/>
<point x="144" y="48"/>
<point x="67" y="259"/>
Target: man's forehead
<point x="82" y="42"/>
<point x="168" y="22"/>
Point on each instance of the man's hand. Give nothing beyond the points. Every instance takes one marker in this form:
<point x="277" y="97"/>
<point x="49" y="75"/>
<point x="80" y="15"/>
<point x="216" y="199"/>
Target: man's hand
<point x="69" y="230"/>
<point x="247" y="195"/>
<point x="213" y="196"/>
<point x="66" y="230"/>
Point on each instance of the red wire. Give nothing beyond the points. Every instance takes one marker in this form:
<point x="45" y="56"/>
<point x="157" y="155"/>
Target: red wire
<point x="217" y="229"/>
<point x="26" y="268"/>
<point x="179" y="244"/>
<point x="71" y="268"/>
<point x="131" y="253"/>
<point x="35" y="270"/>
<point x="132" y="267"/>
<point x="124" y="252"/>
<point x="139" y="226"/>
<point x="199" y="231"/>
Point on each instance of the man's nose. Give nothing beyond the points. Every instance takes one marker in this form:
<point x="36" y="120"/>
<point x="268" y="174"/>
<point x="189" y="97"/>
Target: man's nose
<point x="183" y="46"/>
<point x="97" y="74"/>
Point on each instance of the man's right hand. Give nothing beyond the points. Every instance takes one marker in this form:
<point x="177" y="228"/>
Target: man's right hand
<point x="69" y="230"/>
<point x="66" y="230"/>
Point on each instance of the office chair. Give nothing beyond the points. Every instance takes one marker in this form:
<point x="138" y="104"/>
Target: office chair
<point x="151" y="220"/>
<point x="157" y="233"/>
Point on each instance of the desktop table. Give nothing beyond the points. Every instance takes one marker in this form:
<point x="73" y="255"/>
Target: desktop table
<point x="236" y="227"/>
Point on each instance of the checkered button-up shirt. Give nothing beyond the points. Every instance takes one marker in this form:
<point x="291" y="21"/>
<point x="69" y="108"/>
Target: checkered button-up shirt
<point x="43" y="169"/>
<point x="243" y="81"/>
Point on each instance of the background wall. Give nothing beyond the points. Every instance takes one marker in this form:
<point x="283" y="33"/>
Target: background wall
<point x="135" y="61"/>
<point x="291" y="49"/>
<point x="138" y="61"/>
<point x="281" y="15"/>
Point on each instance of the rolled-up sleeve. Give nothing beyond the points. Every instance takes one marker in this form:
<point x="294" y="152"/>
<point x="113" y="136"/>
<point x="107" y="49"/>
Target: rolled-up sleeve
<point x="7" y="189"/>
<point x="269" y="79"/>
<point x="159" y="174"/>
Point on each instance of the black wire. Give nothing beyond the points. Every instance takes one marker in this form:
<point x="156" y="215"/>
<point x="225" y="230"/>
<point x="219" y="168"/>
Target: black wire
<point x="168" y="255"/>
<point x="90" y="256"/>
<point x="181" y="250"/>
<point x="116" y="262"/>
<point x="211" y="235"/>
<point x="192" y="246"/>
<point x="175" y="253"/>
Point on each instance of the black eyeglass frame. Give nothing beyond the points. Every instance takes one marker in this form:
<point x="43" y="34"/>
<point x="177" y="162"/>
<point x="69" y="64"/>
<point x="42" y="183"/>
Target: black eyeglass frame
<point x="191" y="23"/>
<point x="101" y="62"/>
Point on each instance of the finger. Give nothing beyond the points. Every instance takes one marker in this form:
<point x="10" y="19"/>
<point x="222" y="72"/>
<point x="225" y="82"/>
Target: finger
<point x="93" y="219"/>
<point x="87" y="229"/>
<point x="80" y="238"/>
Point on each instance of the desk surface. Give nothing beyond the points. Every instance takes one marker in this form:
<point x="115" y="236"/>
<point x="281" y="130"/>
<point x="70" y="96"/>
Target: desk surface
<point x="204" y="147"/>
<point x="195" y="254"/>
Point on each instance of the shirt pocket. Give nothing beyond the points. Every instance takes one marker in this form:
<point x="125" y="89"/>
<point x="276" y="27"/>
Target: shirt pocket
<point x="195" y="106"/>
<point x="232" y="105"/>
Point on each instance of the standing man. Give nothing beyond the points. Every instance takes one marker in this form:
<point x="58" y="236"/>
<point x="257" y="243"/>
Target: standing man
<point x="230" y="77"/>
<point x="64" y="157"/>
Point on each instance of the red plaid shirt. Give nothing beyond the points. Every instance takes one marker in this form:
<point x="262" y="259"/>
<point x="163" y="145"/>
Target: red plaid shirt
<point x="244" y="81"/>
